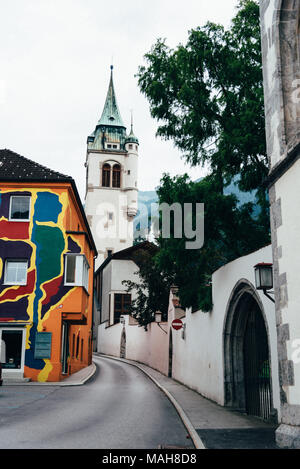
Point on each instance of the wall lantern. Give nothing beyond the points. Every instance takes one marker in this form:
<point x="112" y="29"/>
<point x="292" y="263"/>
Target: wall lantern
<point x="158" y="319"/>
<point x="264" y="278"/>
<point x="158" y="316"/>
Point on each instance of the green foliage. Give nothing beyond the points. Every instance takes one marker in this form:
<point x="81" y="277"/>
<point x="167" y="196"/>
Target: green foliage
<point x="208" y="97"/>
<point x="230" y="232"/>
<point x="151" y="290"/>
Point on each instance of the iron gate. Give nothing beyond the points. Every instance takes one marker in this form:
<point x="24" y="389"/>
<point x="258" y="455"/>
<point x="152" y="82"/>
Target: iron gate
<point x="257" y="367"/>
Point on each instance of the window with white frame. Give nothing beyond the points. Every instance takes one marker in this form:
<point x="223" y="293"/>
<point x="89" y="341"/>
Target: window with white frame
<point x="16" y="272"/>
<point x="19" y="209"/>
<point x="76" y="271"/>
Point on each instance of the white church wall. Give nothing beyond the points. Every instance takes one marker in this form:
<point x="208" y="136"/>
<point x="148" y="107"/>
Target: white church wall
<point x="149" y="347"/>
<point x="198" y="359"/>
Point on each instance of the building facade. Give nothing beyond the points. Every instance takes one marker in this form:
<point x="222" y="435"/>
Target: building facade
<point x="112" y="300"/>
<point x="111" y="180"/>
<point x="46" y="273"/>
<point x="281" y="66"/>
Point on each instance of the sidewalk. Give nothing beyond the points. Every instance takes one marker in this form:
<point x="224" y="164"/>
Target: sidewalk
<point x="76" y="379"/>
<point x="210" y="425"/>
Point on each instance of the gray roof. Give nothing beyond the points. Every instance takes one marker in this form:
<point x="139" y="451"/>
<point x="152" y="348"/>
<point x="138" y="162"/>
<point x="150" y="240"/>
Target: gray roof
<point x="16" y="167"/>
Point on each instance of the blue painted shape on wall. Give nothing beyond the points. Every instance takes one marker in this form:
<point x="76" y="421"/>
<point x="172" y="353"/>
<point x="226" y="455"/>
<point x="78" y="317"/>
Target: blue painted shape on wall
<point x="47" y="207"/>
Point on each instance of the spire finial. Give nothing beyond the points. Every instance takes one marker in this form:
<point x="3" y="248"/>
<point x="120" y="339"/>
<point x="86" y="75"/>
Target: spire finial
<point x="131" y="111"/>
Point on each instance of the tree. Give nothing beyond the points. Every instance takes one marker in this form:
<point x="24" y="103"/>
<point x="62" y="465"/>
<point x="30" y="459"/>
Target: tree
<point x="230" y="231"/>
<point x="208" y="97"/>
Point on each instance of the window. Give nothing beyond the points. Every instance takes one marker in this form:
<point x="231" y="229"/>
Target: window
<point x="116" y="176"/>
<point x="19" y="208"/>
<point x="106" y="175"/>
<point x="130" y="146"/>
<point x="128" y="172"/>
<point x="16" y="272"/>
<point x="76" y="271"/>
<point x="110" y="216"/>
<point x="121" y="305"/>
<point x="109" y="252"/>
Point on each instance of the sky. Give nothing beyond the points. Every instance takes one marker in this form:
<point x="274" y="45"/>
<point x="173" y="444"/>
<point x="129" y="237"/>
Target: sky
<point x="55" y="58"/>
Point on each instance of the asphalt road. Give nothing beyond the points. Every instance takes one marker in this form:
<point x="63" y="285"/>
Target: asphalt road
<point x="119" y="408"/>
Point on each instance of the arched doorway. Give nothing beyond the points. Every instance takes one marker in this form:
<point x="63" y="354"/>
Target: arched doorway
<point x="246" y="355"/>
<point x="170" y="354"/>
<point x="123" y="344"/>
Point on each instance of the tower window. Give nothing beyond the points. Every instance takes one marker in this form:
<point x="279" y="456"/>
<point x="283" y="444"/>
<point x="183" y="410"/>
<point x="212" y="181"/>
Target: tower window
<point x="116" y="182"/>
<point x="130" y="146"/>
<point x="106" y="175"/>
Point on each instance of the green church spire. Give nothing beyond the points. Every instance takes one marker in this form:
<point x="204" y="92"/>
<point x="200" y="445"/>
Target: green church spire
<point x="111" y="115"/>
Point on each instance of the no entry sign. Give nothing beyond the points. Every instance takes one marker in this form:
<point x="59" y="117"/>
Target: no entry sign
<point x="177" y="324"/>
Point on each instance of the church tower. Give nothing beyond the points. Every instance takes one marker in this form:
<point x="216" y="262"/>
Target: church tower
<point x="111" y="180"/>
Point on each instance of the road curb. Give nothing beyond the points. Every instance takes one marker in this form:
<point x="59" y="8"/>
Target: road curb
<point x="185" y="420"/>
<point x="80" y="382"/>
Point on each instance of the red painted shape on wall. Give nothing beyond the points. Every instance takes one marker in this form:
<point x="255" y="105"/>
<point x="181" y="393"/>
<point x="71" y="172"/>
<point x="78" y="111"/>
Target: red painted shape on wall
<point x="14" y="230"/>
<point x="51" y="288"/>
<point x="12" y="294"/>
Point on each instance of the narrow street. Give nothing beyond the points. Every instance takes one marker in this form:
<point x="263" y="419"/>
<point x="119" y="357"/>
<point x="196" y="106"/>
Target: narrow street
<point x="119" y="408"/>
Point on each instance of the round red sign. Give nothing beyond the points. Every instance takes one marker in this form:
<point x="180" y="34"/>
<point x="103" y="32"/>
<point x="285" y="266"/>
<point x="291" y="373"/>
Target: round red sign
<point x="177" y="324"/>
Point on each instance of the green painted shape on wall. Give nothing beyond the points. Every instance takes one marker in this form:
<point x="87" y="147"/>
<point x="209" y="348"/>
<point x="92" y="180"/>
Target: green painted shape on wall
<point x="51" y="244"/>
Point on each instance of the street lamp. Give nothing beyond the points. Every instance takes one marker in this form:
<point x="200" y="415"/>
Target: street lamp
<point x="158" y="319"/>
<point x="158" y="316"/>
<point x="264" y="278"/>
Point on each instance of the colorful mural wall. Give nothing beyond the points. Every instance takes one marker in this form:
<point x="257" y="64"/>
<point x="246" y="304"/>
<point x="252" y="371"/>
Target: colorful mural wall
<point x="45" y="301"/>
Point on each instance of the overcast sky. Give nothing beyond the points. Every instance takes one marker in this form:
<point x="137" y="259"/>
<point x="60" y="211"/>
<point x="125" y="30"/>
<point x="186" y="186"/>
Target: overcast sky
<point x="55" y="58"/>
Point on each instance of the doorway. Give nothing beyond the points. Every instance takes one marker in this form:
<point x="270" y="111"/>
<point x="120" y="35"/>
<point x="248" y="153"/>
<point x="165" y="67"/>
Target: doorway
<point x="12" y="350"/>
<point x="65" y="347"/>
<point x="257" y="367"/>
<point x="247" y="365"/>
<point x="123" y="344"/>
